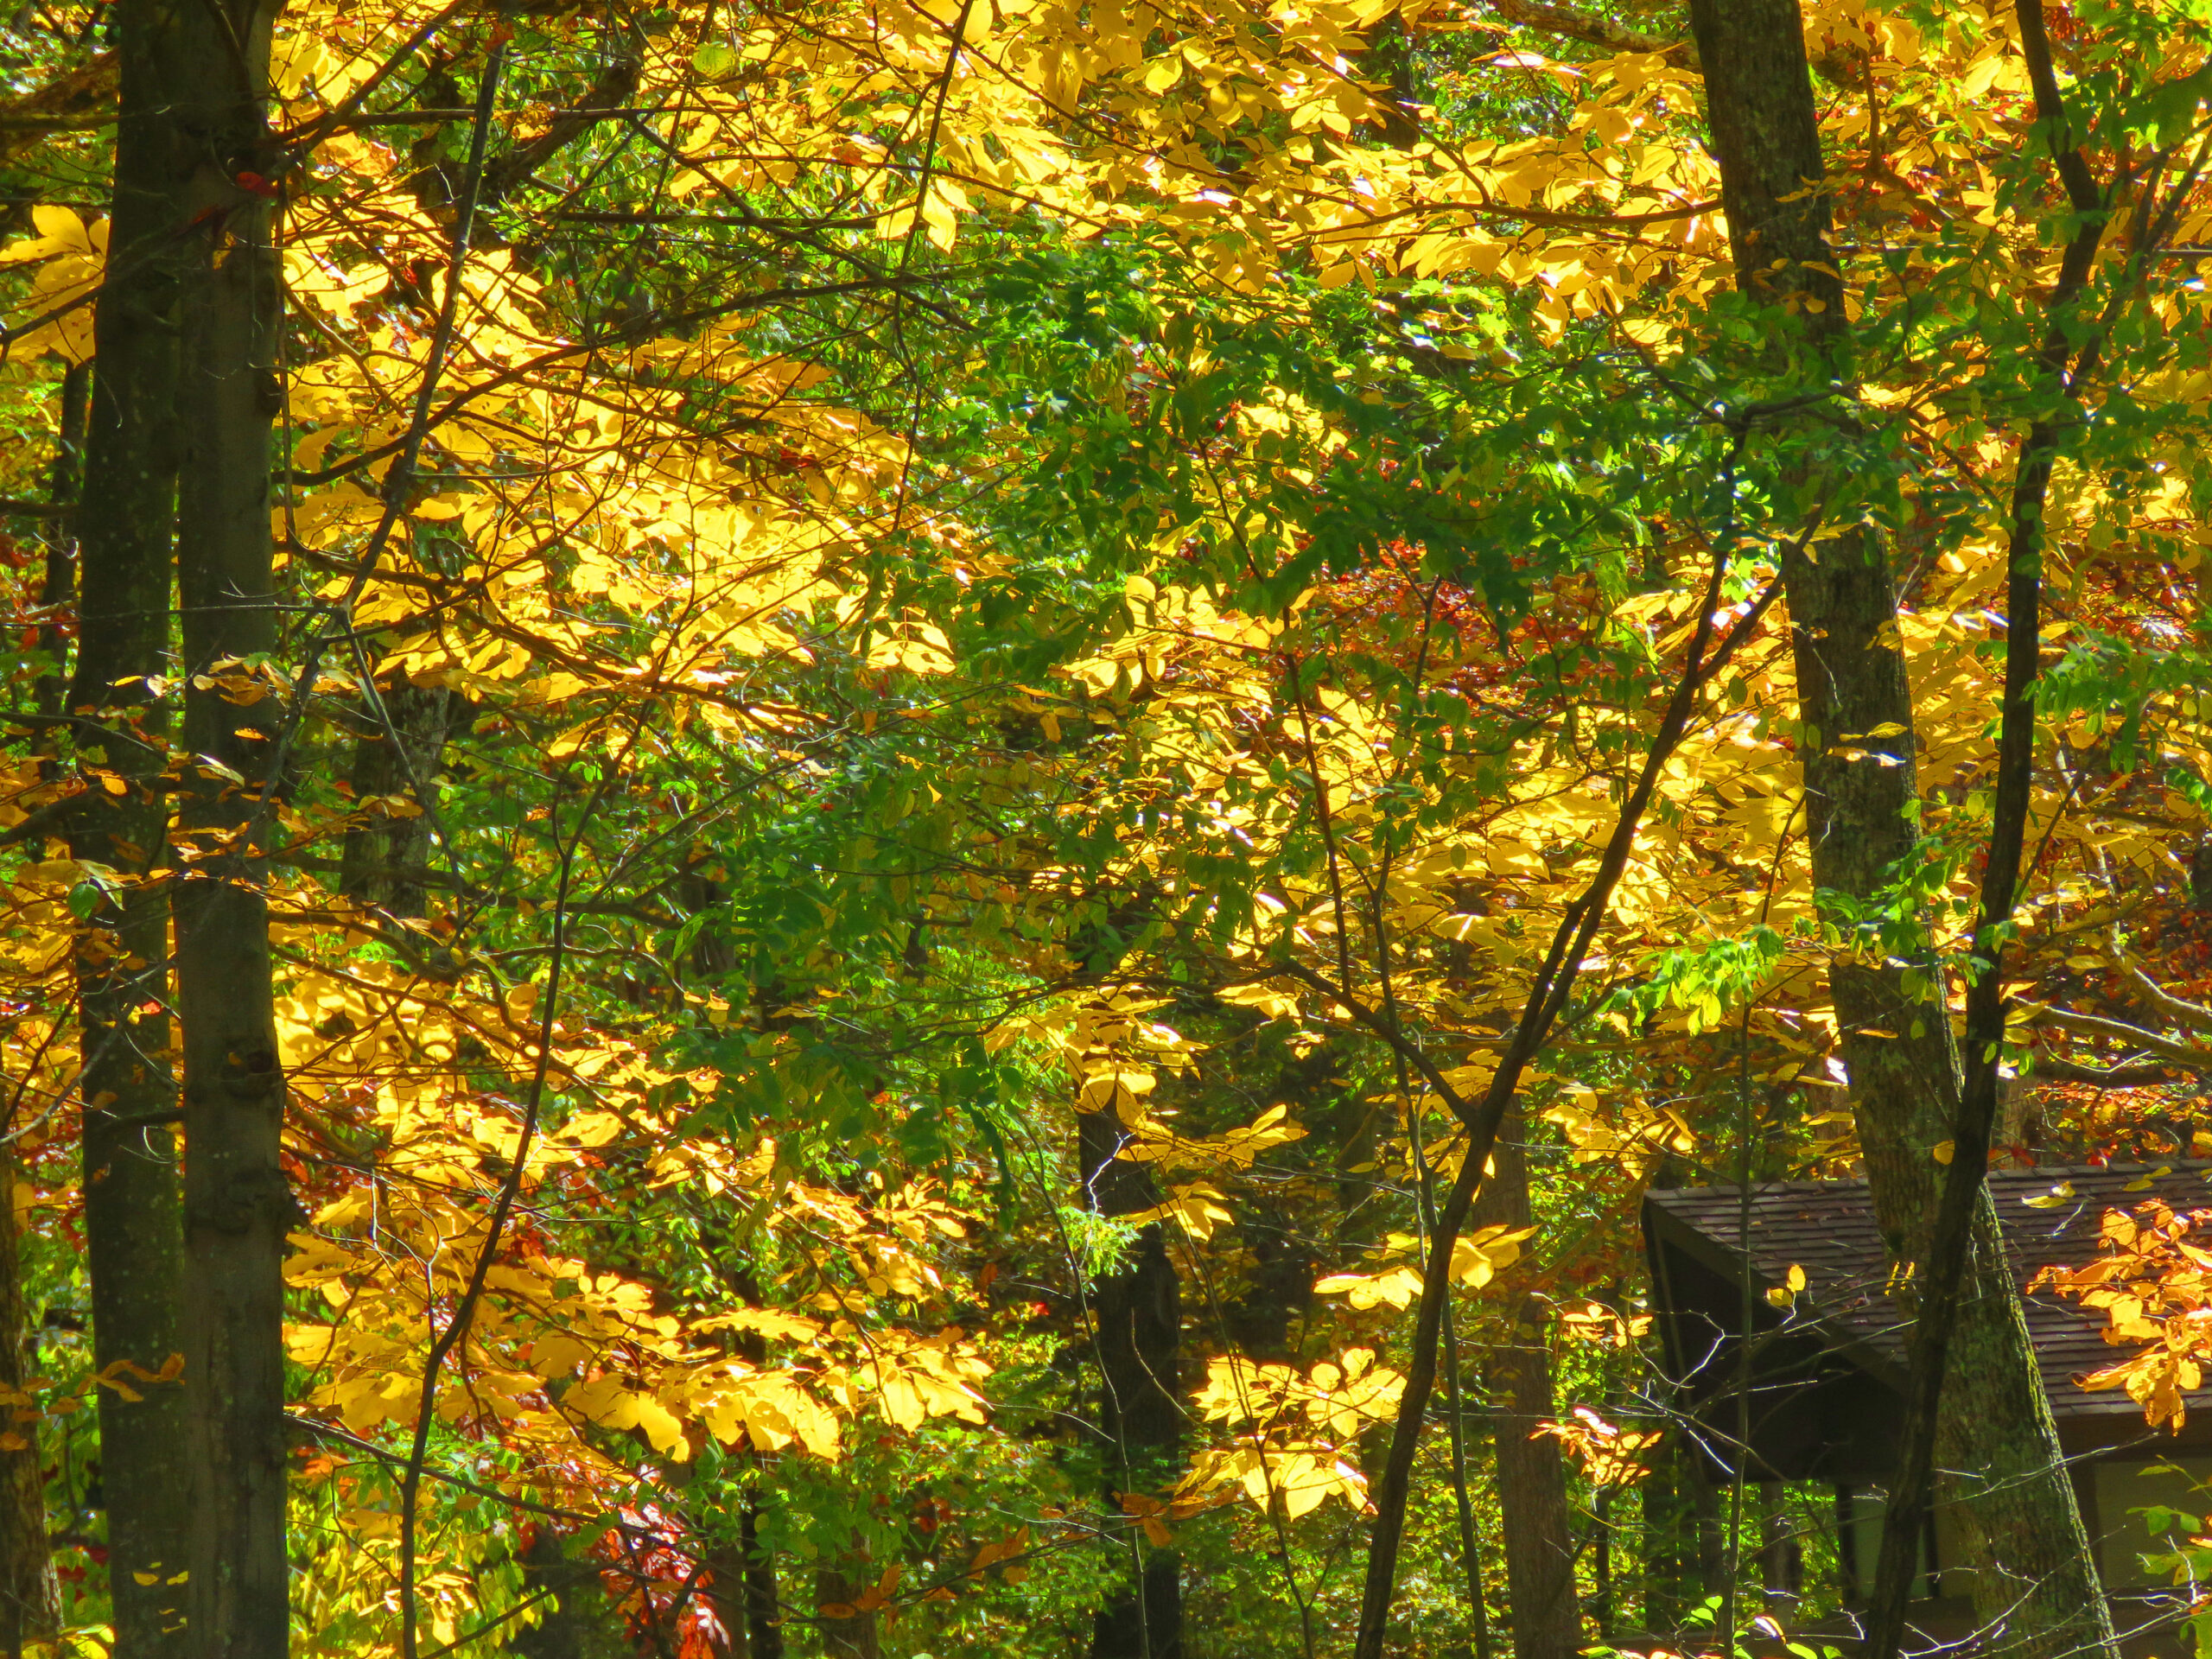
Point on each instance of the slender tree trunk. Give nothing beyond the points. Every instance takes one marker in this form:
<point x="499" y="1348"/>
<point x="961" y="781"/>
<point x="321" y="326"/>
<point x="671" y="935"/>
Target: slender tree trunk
<point x="1531" y="1475"/>
<point x="30" y="1597"/>
<point x="1659" y="1540"/>
<point x="57" y="594"/>
<point x="239" y="1207"/>
<point x="744" y="1588"/>
<point x="1138" y="1313"/>
<point x="387" y="860"/>
<point x="132" y="1219"/>
<point x="764" y="1619"/>
<point x="562" y="1622"/>
<point x="1779" y="1553"/>
<point x="2022" y="1530"/>
<point x="854" y="1634"/>
<point x="744" y="1591"/>
<point x="1711" y="1529"/>
<point x="1604" y="1614"/>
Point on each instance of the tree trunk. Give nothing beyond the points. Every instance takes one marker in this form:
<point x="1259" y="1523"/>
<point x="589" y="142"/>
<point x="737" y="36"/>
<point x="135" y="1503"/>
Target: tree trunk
<point x="1781" y="1577"/>
<point x="1659" y="1542"/>
<point x="1531" y="1475"/>
<point x="386" y="859"/>
<point x="764" y="1619"/>
<point x="743" y="1591"/>
<point x="852" y="1633"/>
<point x="1705" y="1497"/>
<point x="2022" y="1531"/>
<point x="31" y="1596"/>
<point x="239" y="1207"/>
<point x="132" y="1220"/>
<point x="571" y="1589"/>
<point x="1139" y="1318"/>
<point x="1604" y="1613"/>
<point x="57" y="594"/>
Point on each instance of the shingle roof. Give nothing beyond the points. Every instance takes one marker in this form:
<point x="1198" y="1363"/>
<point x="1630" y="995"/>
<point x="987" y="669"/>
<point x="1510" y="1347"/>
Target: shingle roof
<point x="1827" y="1229"/>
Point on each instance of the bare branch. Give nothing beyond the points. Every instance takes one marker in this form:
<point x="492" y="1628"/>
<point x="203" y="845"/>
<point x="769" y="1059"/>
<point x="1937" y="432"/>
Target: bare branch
<point x="2190" y="1016"/>
<point x="2187" y="1055"/>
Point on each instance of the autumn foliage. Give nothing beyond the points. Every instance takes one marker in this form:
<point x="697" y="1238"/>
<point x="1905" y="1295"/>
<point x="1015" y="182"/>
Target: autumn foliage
<point x="937" y="701"/>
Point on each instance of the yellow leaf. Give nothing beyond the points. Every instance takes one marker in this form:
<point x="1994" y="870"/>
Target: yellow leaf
<point x="1484" y="1254"/>
<point x="2052" y="1199"/>
<point x="1396" y="1287"/>
<point x="662" y="1428"/>
<point x="62" y="226"/>
<point x="1944" y="1151"/>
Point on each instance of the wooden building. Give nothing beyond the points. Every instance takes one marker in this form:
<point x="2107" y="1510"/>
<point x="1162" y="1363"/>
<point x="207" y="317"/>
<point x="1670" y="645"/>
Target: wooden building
<point x="1817" y="1395"/>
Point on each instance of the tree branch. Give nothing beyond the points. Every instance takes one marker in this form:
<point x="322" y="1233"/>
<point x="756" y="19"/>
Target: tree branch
<point x="2190" y="1058"/>
<point x="1566" y="21"/>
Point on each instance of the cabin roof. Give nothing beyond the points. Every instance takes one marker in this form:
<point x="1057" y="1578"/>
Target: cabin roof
<point x="1827" y="1229"/>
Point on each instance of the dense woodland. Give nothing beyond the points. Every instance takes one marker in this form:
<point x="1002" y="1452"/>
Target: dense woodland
<point x="888" y="827"/>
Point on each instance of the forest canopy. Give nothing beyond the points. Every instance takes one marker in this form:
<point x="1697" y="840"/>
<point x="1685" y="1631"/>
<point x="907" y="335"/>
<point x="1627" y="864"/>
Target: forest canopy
<point x="884" y="828"/>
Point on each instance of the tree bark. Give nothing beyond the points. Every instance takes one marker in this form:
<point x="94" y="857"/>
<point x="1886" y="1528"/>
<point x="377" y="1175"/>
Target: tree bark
<point x="31" y="1596"/>
<point x="571" y="1589"/>
<point x="1531" y="1475"/>
<point x="1660" y="1542"/>
<point x="764" y="1619"/>
<point x="239" y="1207"/>
<point x="1781" y="1577"/>
<point x="854" y="1634"/>
<point x="57" y="594"/>
<point x="2022" y="1530"/>
<point x="743" y="1590"/>
<point x="1138" y="1314"/>
<point x="386" y="859"/>
<point x="132" y="1218"/>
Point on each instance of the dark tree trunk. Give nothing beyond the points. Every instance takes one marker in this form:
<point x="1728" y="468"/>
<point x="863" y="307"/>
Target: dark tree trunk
<point x="1780" y="1555"/>
<point x="1705" y="1501"/>
<point x="132" y="1220"/>
<point x="30" y="1597"/>
<point x="1604" y="1508"/>
<point x="567" y="1585"/>
<point x="743" y="1586"/>
<point x="744" y="1590"/>
<point x="1659" y="1539"/>
<point x="1532" y="1497"/>
<point x="239" y="1207"/>
<point x="764" y="1619"/>
<point x="386" y="859"/>
<point x="2022" y="1531"/>
<point x="1138" y="1314"/>
<point x="1264" y="1323"/>
<point x="854" y="1634"/>
<point x="57" y="593"/>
